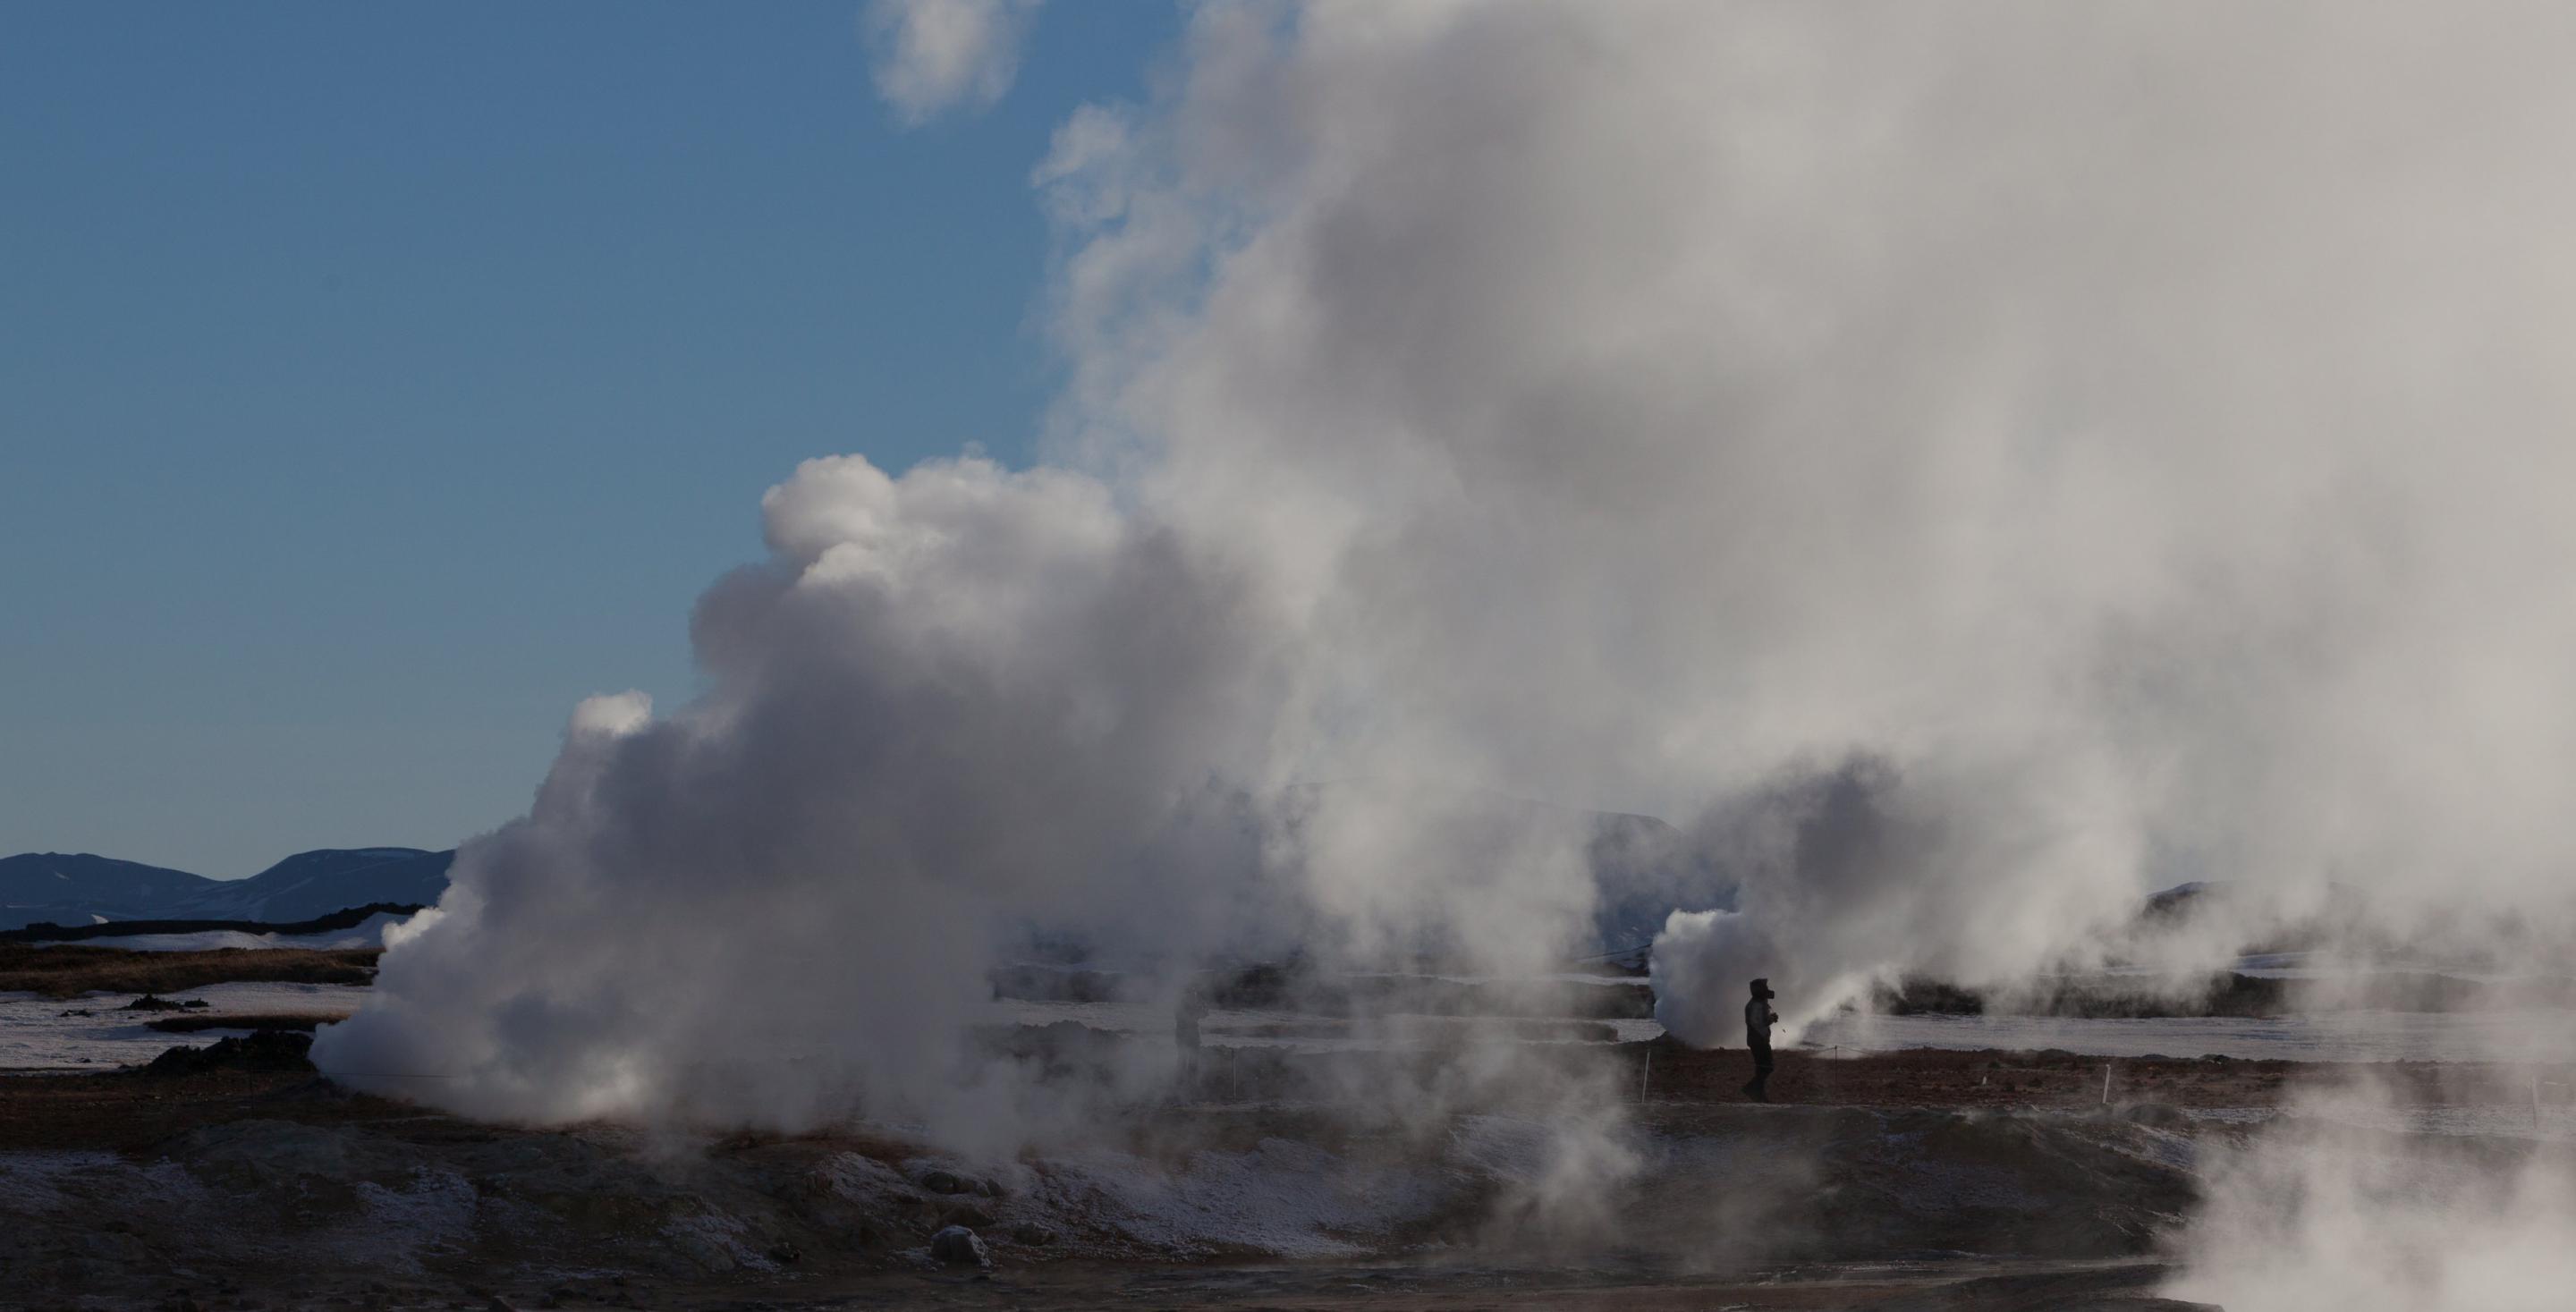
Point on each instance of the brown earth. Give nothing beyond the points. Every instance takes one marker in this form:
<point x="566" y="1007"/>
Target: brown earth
<point x="70" y="970"/>
<point x="129" y="1111"/>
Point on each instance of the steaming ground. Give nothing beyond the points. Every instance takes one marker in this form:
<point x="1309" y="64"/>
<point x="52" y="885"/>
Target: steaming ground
<point x="1973" y="1180"/>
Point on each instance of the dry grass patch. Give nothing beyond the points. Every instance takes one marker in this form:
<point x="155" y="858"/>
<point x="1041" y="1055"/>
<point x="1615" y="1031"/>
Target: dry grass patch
<point x="71" y="970"/>
<point x="129" y="1111"/>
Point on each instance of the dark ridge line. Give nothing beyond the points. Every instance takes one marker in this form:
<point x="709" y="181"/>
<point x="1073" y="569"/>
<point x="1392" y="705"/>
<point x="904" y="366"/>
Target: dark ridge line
<point x="47" y="932"/>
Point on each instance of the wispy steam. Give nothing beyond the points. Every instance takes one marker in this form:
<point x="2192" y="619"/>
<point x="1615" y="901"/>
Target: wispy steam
<point x="932" y="56"/>
<point x="2338" y="1211"/>
<point x="1968" y="465"/>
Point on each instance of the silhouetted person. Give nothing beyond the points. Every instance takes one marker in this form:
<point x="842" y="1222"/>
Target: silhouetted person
<point x="1185" y="1034"/>
<point x="1758" y="1017"/>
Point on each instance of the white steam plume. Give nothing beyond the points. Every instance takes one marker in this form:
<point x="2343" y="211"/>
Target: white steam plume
<point x="948" y="702"/>
<point x="1972" y="463"/>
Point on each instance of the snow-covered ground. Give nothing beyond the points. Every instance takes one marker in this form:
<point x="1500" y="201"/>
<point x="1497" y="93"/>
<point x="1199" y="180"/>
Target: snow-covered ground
<point x="367" y="933"/>
<point x="47" y="1034"/>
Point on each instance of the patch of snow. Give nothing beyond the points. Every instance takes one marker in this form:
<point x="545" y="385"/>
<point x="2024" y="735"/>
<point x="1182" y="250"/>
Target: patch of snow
<point x="378" y="930"/>
<point x="36" y="1034"/>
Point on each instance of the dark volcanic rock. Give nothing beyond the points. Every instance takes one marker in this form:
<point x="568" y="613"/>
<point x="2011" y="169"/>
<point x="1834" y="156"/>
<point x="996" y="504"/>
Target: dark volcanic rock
<point x="959" y="1246"/>
<point x="267" y="1050"/>
<point x="951" y="1183"/>
<point x="2092" y="998"/>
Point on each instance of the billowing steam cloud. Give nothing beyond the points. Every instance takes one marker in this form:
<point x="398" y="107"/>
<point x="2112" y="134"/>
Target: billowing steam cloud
<point x="1968" y="464"/>
<point x="948" y="704"/>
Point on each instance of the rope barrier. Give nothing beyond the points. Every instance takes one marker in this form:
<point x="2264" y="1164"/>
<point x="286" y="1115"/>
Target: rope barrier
<point x="1616" y="952"/>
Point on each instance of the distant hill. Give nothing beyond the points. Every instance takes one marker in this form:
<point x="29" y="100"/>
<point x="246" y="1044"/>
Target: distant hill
<point x="84" y="889"/>
<point x="71" y="888"/>
<point x="317" y="883"/>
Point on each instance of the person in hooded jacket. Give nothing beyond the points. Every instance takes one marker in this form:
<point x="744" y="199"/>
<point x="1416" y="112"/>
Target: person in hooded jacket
<point x="1758" y="1019"/>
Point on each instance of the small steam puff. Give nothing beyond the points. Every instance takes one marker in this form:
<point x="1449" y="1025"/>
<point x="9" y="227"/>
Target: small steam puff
<point x="610" y="715"/>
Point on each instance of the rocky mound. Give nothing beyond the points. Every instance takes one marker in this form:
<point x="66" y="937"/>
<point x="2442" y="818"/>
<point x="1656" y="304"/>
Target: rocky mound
<point x="268" y="1050"/>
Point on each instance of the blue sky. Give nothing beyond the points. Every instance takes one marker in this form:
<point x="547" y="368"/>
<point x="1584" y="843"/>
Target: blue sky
<point x="378" y="381"/>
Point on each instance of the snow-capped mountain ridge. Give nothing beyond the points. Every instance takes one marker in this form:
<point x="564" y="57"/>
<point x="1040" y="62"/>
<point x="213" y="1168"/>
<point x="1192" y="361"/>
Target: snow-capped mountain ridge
<point x="80" y="889"/>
